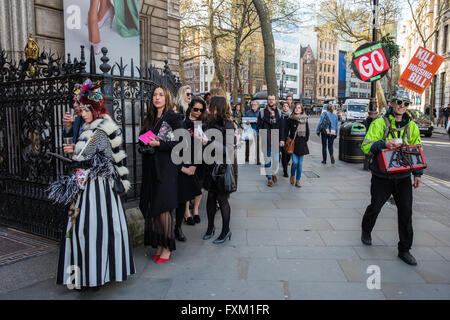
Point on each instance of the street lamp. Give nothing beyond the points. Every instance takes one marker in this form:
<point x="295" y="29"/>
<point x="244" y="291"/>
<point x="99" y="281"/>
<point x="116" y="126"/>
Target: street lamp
<point x="373" y="89"/>
<point x="282" y="79"/>
<point x="204" y="75"/>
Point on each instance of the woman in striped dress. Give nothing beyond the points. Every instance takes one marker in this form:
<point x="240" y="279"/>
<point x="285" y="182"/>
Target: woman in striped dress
<point x="96" y="247"/>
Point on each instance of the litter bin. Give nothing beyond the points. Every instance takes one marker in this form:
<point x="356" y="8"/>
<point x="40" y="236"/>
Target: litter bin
<point x="351" y="137"/>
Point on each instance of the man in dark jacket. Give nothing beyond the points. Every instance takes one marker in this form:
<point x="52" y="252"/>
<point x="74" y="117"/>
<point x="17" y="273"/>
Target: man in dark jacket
<point x="270" y="119"/>
<point x="252" y="113"/>
<point x="73" y="125"/>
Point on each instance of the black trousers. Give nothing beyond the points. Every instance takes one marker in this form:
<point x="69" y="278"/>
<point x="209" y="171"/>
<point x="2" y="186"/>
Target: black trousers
<point x="327" y="140"/>
<point x="380" y="190"/>
<point x="285" y="158"/>
<point x="248" y="143"/>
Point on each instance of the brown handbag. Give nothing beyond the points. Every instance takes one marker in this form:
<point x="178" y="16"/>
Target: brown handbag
<point x="290" y="144"/>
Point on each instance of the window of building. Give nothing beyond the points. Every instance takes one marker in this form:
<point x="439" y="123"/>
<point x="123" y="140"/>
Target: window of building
<point x="211" y="69"/>
<point x="206" y="86"/>
<point x="205" y="70"/>
<point x="320" y="91"/>
<point x="333" y="69"/>
<point x="332" y="92"/>
<point x="320" y="67"/>
<point x="444" y="44"/>
<point x="320" y="79"/>
<point x="320" y="44"/>
<point x="328" y="80"/>
<point x="328" y="68"/>
<point x="442" y="87"/>
<point x="320" y="55"/>
<point x="328" y="91"/>
<point x="333" y="81"/>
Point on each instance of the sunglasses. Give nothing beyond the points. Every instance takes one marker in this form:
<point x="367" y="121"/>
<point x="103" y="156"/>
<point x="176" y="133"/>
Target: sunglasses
<point x="399" y="103"/>
<point x="197" y="109"/>
<point x="189" y="94"/>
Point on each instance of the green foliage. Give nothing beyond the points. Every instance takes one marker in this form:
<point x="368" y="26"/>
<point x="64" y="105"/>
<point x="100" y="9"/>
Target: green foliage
<point x="391" y="45"/>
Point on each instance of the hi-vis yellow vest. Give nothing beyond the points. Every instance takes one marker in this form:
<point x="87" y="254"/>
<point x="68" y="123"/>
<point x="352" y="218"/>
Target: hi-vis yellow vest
<point x="410" y="133"/>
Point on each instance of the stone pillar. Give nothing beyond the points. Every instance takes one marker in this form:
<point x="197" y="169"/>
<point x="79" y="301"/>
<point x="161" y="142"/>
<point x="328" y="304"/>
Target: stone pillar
<point x="16" y="23"/>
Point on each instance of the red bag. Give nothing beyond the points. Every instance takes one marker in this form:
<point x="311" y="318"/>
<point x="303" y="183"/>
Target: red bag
<point x="407" y="158"/>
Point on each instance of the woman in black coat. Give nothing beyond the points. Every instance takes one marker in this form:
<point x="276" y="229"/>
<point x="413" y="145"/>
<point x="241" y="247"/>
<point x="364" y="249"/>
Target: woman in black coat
<point x="219" y="118"/>
<point x="298" y="127"/>
<point x="189" y="177"/>
<point x="159" y="175"/>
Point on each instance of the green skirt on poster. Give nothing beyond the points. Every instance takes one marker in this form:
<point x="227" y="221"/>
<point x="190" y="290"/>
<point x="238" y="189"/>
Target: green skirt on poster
<point x="127" y="17"/>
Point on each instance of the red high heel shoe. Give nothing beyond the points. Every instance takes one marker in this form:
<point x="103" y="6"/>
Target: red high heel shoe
<point x="161" y="260"/>
<point x="156" y="257"/>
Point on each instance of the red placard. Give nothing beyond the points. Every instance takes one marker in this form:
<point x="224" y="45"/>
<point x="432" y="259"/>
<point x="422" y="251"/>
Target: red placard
<point x="371" y="64"/>
<point x="420" y="70"/>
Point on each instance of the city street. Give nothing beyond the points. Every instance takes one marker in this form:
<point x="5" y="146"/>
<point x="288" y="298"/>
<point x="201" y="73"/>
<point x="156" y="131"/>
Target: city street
<point x="287" y="243"/>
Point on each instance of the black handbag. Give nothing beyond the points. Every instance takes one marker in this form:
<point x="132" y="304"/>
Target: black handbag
<point x="224" y="178"/>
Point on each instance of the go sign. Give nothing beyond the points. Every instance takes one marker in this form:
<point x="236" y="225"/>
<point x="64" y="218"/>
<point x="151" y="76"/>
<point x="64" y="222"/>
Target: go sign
<point x="370" y="62"/>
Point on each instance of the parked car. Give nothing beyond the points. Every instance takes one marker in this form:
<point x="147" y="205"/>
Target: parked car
<point x="423" y="122"/>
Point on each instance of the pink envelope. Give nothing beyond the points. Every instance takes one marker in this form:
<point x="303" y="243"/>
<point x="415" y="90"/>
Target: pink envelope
<point x="146" y="137"/>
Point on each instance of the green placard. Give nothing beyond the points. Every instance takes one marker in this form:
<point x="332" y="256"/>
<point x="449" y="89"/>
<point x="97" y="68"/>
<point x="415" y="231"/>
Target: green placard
<point x="375" y="78"/>
<point x="367" y="50"/>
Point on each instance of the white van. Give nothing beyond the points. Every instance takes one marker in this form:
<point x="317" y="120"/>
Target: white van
<point x="355" y="110"/>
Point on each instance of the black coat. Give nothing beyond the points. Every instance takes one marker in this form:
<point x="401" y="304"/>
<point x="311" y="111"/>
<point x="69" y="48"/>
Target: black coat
<point x="189" y="186"/>
<point x="159" y="174"/>
<point x="208" y="183"/>
<point x="264" y="123"/>
<point x="301" y="143"/>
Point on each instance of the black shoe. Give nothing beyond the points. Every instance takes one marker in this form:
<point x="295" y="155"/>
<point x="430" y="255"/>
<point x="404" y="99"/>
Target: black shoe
<point x="285" y="175"/>
<point x="324" y="162"/>
<point x="196" y="218"/>
<point x="209" y="235"/>
<point x="407" y="258"/>
<point x="366" y="238"/>
<point x="222" y="240"/>
<point x="332" y="160"/>
<point x="189" y="221"/>
<point x="179" y="235"/>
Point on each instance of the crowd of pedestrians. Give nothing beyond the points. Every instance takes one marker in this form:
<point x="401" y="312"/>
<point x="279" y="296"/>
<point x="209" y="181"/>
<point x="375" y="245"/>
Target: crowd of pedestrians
<point x="96" y="239"/>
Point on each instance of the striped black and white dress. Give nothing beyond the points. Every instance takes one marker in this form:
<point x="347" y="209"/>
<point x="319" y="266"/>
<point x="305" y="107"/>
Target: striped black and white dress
<point x="99" y="247"/>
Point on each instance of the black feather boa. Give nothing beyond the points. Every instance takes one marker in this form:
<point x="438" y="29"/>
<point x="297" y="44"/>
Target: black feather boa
<point x="66" y="188"/>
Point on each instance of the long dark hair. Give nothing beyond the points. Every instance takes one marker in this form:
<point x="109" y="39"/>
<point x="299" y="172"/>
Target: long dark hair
<point x="223" y="115"/>
<point x="194" y="101"/>
<point x="152" y="112"/>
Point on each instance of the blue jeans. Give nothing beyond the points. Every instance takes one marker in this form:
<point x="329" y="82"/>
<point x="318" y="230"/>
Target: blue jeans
<point x="297" y="165"/>
<point x="268" y="163"/>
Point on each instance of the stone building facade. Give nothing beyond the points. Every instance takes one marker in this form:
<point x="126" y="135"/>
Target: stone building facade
<point x="307" y="73"/>
<point x="159" y="25"/>
<point x="327" y="67"/>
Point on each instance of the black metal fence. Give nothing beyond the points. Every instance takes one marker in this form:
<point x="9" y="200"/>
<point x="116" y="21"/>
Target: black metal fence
<point x="34" y="95"/>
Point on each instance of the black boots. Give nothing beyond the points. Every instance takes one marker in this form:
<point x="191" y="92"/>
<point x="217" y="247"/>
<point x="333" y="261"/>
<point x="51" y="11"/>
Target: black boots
<point x="366" y="238"/>
<point x="407" y="258"/>
<point x="179" y="234"/>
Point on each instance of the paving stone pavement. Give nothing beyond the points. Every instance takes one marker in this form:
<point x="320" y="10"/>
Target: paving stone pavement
<point x="287" y="243"/>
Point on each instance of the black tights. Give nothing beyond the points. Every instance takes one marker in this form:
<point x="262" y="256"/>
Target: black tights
<point x="179" y="214"/>
<point x="225" y="209"/>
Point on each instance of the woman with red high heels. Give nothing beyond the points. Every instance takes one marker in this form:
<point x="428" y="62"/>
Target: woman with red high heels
<point x="124" y="12"/>
<point x="159" y="194"/>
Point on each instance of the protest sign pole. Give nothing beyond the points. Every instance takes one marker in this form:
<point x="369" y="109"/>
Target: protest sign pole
<point x="373" y="110"/>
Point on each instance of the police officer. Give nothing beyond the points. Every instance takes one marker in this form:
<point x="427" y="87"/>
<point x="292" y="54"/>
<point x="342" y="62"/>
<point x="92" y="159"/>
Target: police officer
<point x="399" y="126"/>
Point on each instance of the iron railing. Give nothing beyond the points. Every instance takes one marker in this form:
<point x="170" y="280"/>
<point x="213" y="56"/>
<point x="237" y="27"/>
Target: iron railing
<point x="33" y="101"/>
